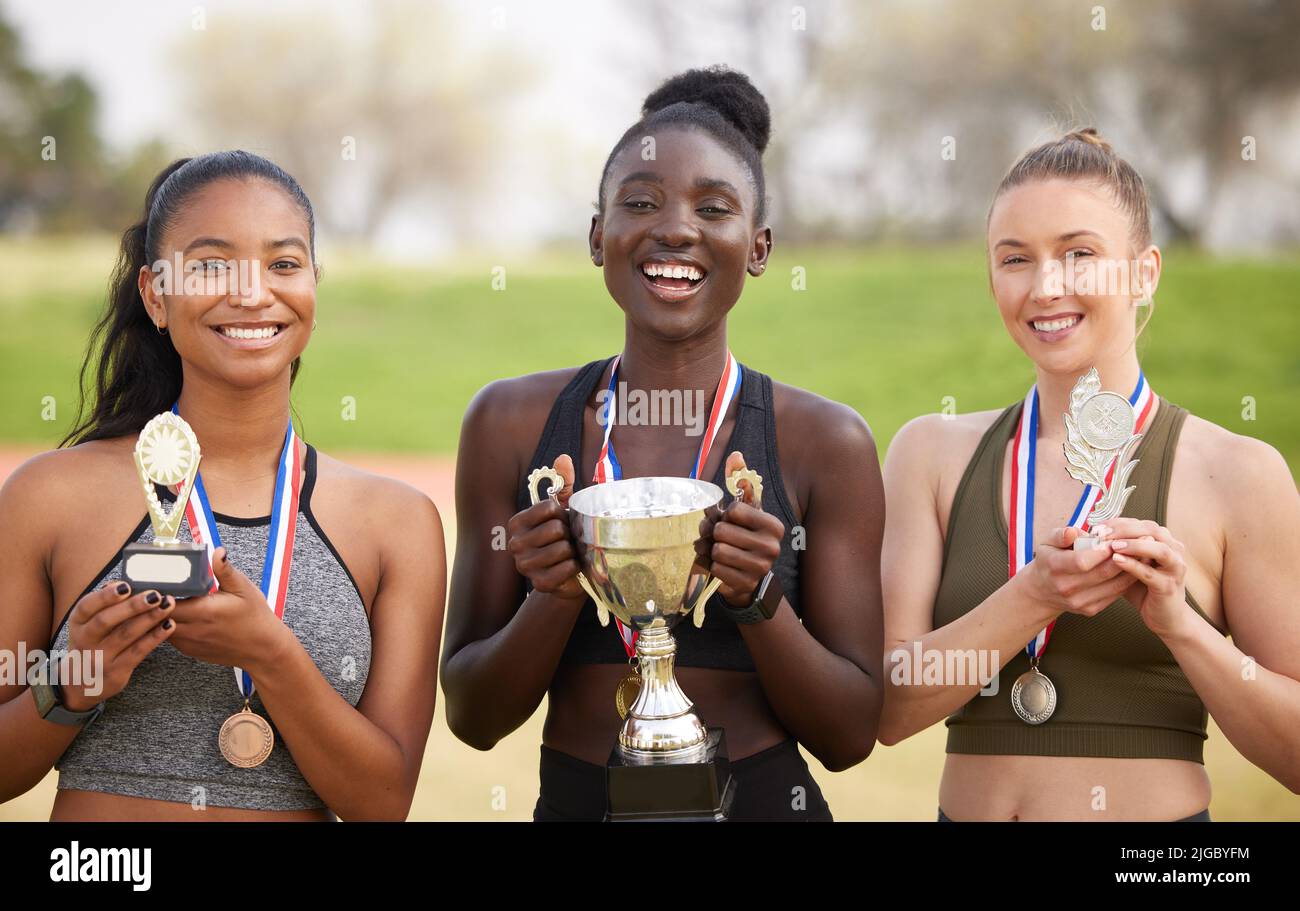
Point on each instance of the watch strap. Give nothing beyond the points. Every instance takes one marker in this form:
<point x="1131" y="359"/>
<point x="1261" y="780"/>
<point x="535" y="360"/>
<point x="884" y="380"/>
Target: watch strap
<point x="59" y="715"/>
<point x="766" y="600"/>
<point x="48" y="693"/>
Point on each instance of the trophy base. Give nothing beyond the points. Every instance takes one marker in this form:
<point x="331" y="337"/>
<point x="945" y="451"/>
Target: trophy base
<point x="179" y="570"/>
<point x="698" y="790"/>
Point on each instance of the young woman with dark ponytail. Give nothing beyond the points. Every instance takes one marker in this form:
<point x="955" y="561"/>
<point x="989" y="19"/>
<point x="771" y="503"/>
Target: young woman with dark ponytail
<point x="680" y="225"/>
<point x="344" y="672"/>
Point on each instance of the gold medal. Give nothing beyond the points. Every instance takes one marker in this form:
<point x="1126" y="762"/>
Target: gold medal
<point x="246" y="738"/>
<point x="1033" y="696"/>
<point x="628" y="689"/>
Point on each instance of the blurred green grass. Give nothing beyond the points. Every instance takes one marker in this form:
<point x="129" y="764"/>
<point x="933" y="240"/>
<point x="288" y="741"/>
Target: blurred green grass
<point x="890" y="332"/>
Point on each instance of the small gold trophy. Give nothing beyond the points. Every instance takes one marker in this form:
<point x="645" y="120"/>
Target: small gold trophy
<point x="167" y="453"/>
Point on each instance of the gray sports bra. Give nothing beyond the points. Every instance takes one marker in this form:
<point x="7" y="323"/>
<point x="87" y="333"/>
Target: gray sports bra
<point x="157" y="738"/>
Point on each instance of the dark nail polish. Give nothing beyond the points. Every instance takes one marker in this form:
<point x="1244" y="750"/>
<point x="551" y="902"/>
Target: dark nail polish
<point x="167" y="624"/>
<point x="168" y="603"/>
<point x="152" y="598"/>
<point x="123" y="588"/>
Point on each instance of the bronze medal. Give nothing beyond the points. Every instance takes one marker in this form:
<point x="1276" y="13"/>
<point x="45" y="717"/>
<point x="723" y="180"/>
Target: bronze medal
<point x="246" y="738"/>
<point x="1033" y="696"/>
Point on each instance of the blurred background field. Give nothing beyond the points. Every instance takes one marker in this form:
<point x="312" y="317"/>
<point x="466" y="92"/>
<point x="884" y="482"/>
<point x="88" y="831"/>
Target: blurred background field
<point x="451" y="150"/>
<point x="890" y="331"/>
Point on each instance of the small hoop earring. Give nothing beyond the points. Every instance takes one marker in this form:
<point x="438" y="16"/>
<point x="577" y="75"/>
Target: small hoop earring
<point x="162" y="330"/>
<point x="314" y="324"/>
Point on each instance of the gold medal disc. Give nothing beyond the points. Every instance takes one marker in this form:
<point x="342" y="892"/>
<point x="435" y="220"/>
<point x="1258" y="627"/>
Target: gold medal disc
<point x="628" y="689"/>
<point x="246" y="739"/>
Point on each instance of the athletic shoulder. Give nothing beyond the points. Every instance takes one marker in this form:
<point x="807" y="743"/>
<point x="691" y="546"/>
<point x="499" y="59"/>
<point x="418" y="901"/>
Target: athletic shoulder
<point x="522" y="402"/>
<point x="939" y="440"/>
<point x="45" y="501"/>
<point x="835" y="426"/>
<point x="500" y="430"/>
<point x="63" y="475"/>
<point x="1243" y="469"/>
<point x="385" y="500"/>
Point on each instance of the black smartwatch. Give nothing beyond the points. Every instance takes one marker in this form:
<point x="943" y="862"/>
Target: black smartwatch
<point x="49" y="702"/>
<point x="767" y="598"/>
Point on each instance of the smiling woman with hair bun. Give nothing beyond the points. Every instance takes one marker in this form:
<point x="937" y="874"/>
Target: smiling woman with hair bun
<point x="344" y="670"/>
<point x="676" y="235"/>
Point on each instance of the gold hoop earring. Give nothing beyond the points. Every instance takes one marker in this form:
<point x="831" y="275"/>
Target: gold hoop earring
<point x="314" y="324"/>
<point x="162" y="330"/>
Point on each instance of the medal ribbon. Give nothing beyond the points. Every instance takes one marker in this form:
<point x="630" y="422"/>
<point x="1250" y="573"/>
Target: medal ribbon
<point x="279" y="545"/>
<point x="608" y="468"/>
<point x="1020" y="533"/>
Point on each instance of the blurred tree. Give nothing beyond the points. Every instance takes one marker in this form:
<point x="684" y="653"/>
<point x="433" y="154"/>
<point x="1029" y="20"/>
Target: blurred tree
<point x="1205" y="76"/>
<point x="49" y="190"/>
<point x="396" y="86"/>
<point x="79" y="184"/>
<point x="1174" y="84"/>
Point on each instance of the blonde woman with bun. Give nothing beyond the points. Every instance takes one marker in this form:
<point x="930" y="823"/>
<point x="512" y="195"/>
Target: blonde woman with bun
<point x="1132" y="633"/>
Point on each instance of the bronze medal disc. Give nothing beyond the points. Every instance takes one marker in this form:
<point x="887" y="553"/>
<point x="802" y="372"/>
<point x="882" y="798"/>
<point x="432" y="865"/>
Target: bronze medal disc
<point x="1033" y="697"/>
<point x="628" y="689"/>
<point x="246" y="739"/>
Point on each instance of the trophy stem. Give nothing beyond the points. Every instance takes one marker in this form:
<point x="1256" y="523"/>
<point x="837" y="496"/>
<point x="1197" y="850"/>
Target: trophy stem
<point x="662" y="725"/>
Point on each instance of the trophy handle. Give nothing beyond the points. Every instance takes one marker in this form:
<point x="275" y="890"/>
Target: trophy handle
<point x="733" y="486"/>
<point x="705" y="594"/>
<point x="755" y="484"/>
<point x="548" y="473"/>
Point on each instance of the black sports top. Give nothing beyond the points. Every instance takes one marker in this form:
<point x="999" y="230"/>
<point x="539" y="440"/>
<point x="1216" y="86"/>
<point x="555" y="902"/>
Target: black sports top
<point x="717" y="644"/>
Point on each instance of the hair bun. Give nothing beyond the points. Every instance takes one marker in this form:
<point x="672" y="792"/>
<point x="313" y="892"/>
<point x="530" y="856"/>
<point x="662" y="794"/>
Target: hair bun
<point x="1092" y="138"/>
<point x="727" y="91"/>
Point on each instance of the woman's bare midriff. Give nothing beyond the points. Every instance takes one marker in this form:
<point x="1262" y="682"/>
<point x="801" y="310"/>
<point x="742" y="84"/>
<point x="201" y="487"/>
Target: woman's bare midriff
<point x="581" y="719"/>
<point x="95" y="806"/>
<point x="1071" y="788"/>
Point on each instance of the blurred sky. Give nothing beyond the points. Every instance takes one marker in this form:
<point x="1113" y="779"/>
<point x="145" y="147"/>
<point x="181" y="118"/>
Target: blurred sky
<point x="592" y="66"/>
<point x="123" y="47"/>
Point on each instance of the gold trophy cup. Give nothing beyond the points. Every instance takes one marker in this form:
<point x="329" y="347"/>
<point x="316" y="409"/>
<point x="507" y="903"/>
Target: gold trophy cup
<point x="638" y="542"/>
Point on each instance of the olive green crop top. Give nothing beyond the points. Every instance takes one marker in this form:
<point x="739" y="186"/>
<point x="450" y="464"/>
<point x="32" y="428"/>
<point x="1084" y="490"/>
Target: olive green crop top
<point x="1120" y="693"/>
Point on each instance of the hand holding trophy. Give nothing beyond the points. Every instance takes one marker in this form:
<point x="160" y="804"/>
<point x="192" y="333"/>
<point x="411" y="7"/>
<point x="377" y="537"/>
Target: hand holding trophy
<point x="1099" y="446"/>
<point x="742" y="544"/>
<point x="637" y="541"/>
<point x="1102" y="431"/>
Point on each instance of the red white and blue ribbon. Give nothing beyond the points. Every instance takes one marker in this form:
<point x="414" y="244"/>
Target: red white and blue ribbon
<point x="608" y="468"/>
<point x="1020" y="530"/>
<point x="279" y="545"/>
